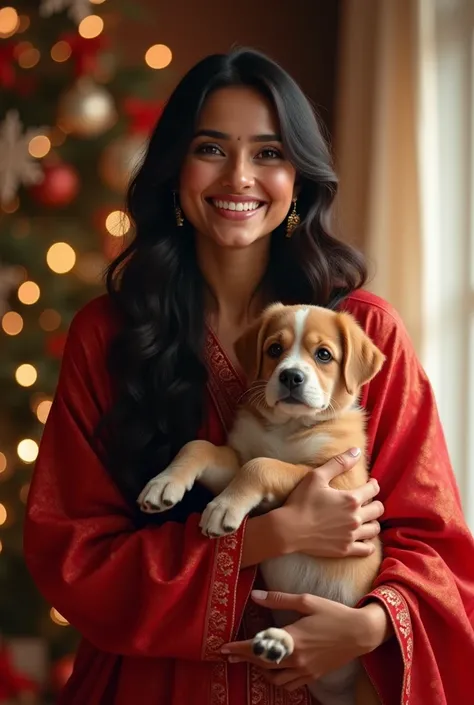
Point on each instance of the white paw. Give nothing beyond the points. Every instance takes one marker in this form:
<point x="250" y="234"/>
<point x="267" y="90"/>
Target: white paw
<point x="161" y="493"/>
<point x="221" y="517"/>
<point x="273" y="645"/>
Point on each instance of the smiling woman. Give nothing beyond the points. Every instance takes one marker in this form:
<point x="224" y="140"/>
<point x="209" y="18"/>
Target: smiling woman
<point x="230" y="209"/>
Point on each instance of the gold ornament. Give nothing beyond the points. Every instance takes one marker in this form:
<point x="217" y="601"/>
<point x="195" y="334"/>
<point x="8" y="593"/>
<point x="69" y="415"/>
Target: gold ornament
<point x="120" y="159"/>
<point x="86" y="109"/>
<point x="178" y="212"/>
<point x="293" y="221"/>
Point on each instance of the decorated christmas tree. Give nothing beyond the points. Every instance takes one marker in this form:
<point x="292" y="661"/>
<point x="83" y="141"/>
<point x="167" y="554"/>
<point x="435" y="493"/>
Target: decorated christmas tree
<point x="74" y="118"/>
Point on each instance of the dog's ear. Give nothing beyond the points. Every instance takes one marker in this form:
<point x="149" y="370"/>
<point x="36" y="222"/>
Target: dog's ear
<point x="361" y="357"/>
<point x="248" y="348"/>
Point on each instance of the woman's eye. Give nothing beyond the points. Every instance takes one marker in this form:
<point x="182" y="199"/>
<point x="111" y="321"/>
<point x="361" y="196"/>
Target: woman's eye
<point x="323" y="355"/>
<point x="211" y="149"/>
<point x="270" y="153"/>
<point x="275" y="350"/>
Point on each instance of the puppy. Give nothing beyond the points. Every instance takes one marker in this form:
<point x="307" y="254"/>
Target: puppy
<point x="305" y="366"/>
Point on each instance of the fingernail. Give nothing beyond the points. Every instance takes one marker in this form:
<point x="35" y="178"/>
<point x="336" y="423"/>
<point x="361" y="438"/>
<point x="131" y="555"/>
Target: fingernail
<point x="260" y="594"/>
<point x="354" y="452"/>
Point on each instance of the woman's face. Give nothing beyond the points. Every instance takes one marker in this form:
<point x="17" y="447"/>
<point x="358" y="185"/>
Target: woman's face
<point x="236" y="185"/>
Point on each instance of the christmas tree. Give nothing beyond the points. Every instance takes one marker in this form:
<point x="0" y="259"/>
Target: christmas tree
<point x="74" y="120"/>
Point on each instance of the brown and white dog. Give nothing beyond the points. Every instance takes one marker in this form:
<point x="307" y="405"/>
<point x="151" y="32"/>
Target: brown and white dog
<point x="305" y="366"/>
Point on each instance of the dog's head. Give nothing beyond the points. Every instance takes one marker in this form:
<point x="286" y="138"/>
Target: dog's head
<point x="306" y="361"/>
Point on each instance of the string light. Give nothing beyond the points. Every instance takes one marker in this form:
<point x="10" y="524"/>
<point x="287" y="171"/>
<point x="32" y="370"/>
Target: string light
<point x="39" y="146"/>
<point x="27" y="450"/>
<point x="29" y="57"/>
<point x="1" y="546"/>
<point x="57" y="618"/>
<point x="117" y="223"/>
<point x="158" y="56"/>
<point x="23" y="24"/>
<point x="12" y="206"/>
<point x="9" y="22"/>
<point x="26" y="375"/>
<point x="12" y="323"/>
<point x="91" y="26"/>
<point x="43" y="409"/>
<point x="49" y="320"/>
<point x="61" y="51"/>
<point x="61" y="258"/>
<point x="3" y="462"/>
<point x="29" y="293"/>
<point x="24" y="493"/>
<point x="3" y="514"/>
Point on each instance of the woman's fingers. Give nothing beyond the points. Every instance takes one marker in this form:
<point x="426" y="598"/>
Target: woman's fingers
<point x="367" y="531"/>
<point x="366" y="493"/>
<point x="371" y="512"/>
<point x="337" y="465"/>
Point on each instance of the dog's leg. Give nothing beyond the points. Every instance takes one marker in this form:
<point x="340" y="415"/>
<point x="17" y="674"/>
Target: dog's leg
<point x="198" y="460"/>
<point x="258" y="480"/>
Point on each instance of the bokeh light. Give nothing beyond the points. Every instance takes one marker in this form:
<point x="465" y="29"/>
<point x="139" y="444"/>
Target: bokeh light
<point x="29" y="293"/>
<point x="61" y="51"/>
<point x="3" y="514"/>
<point x="117" y="223"/>
<point x="39" y="146"/>
<point x="12" y="323"/>
<point x="49" y="320"/>
<point x="91" y="26"/>
<point x="26" y="375"/>
<point x="9" y="21"/>
<point x="57" y="618"/>
<point x="27" y="450"/>
<point x="61" y="258"/>
<point x="3" y="462"/>
<point x="43" y="409"/>
<point x="29" y="57"/>
<point x="158" y="56"/>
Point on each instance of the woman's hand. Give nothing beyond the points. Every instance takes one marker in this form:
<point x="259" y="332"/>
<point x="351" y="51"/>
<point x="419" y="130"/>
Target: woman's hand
<point x="329" y="636"/>
<point x="320" y="521"/>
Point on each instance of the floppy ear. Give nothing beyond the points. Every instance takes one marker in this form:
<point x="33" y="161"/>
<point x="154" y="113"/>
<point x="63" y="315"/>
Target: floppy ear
<point x="361" y="357"/>
<point x="248" y="348"/>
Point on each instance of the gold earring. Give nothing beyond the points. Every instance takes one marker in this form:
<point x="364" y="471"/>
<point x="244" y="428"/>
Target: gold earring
<point x="178" y="212"/>
<point x="293" y="221"/>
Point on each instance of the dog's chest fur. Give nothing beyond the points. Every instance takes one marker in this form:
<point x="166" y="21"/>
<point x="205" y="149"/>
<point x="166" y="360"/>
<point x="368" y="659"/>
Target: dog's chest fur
<point x="295" y="573"/>
<point x="252" y="438"/>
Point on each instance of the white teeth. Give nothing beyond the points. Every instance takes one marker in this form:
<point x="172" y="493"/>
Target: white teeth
<point x="236" y="205"/>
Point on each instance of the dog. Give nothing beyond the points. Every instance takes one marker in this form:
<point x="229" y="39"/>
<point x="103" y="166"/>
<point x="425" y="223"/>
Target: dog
<point x="305" y="366"/>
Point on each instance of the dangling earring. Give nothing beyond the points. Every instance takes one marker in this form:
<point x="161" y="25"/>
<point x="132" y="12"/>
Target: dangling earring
<point x="293" y="221"/>
<point x="178" y="212"/>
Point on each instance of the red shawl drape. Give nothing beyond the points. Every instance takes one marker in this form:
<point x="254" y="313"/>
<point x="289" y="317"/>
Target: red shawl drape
<point x="155" y="604"/>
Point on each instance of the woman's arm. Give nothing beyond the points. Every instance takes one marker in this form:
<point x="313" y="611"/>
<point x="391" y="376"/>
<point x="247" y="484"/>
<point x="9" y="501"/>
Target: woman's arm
<point x="157" y="591"/>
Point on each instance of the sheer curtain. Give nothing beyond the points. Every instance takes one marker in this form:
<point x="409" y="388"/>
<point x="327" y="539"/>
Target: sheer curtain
<point x="404" y="148"/>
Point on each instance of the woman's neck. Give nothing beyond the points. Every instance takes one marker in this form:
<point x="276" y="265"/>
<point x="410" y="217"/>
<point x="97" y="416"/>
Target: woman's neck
<point x="234" y="277"/>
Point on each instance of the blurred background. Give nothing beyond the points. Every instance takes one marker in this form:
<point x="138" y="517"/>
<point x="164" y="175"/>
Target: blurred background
<point x="81" y="85"/>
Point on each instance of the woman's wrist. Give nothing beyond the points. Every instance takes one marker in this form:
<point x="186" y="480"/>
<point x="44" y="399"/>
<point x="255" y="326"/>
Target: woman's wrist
<point x="265" y="537"/>
<point x="374" y="627"/>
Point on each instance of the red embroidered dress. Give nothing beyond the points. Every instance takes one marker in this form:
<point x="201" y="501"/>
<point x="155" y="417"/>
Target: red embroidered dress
<point x="155" y="604"/>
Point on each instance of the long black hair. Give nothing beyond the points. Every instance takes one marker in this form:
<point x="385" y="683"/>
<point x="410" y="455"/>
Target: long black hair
<point x="156" y="285"/>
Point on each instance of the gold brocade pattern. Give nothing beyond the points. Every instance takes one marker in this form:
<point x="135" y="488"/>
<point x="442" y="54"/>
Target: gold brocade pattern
<point x="400" y="616"/>
<point x="226" y="388"/>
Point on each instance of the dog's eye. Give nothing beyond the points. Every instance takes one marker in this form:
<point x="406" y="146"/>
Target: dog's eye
<point x="323" y="355"/>
<point x="275" y="350"/>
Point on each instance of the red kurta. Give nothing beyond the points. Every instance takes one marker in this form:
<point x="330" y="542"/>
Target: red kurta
<point x="155" y="604"/>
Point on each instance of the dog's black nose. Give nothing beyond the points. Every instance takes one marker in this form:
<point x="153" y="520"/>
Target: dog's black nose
<point x="292" y="378"/>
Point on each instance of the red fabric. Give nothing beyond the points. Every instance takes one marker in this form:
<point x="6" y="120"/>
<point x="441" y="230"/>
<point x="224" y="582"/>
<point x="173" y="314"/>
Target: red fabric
<point x="155" y="604"/>
<point x="12" y="682"/>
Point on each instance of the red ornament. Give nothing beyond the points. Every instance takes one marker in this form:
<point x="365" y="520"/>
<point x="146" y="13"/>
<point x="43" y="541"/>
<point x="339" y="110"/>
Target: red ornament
<point x="55" y="345"/>
<point x="59" y="187"/>
<point x="61" y="671"/>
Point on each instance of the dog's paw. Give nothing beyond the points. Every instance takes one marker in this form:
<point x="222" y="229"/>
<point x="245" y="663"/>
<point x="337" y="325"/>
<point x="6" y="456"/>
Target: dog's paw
<point x="161" y="493"/>
<point x="273" y="645"/>
<point x="221" y="517"/>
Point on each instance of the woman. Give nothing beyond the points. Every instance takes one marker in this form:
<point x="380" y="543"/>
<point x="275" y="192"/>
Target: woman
<point x="230" y="208"/>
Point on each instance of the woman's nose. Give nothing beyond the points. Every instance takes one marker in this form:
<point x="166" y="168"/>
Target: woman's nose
<point x="239" y="174"/>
